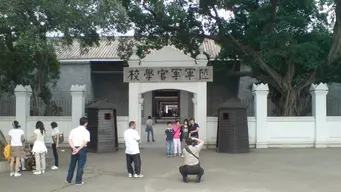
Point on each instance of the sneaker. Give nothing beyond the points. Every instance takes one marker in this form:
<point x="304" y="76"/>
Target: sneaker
<point x="11" y="174"/>
<point x="37" y="173"/>
<point x="43" y="171"/>
<point x="185" y="179"/>
<point x="130" y="175"/>
<point x="54" y="167"/>
<point x="198" y="179"/>
<point x="82" y="183"/>
<point x="23" y="169"/>
<point x="182" y="155"/>
<point x="138" y="176"/>
<point x="17" y="174"/>
<point x="67" y="182"/>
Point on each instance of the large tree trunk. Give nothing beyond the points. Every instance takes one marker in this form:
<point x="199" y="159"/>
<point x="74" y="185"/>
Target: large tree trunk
<point x="293" y="103"/>
<point x="335" y="51"/>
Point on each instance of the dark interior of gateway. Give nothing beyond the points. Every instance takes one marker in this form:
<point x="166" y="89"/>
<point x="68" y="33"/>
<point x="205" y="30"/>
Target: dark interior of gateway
<point x="166" y="103"/>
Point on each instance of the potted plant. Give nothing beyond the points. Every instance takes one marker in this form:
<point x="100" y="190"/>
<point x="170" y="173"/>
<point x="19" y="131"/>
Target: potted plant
<point x="3" y="161"/>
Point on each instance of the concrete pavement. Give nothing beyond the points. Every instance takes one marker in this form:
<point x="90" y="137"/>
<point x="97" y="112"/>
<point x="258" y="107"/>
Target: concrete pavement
<point x="268" y="170"/>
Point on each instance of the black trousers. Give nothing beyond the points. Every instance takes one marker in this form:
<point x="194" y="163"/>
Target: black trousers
<point x="186" y="170"/>
<point x="55" y="154"/>
<point x="136" y="159"/>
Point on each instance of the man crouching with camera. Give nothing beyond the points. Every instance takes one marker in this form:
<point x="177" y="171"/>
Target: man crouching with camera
<point x="192" y="162"/>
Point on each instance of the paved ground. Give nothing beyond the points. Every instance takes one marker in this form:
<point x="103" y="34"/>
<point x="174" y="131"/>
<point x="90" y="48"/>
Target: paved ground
<point x="271" y="170"/>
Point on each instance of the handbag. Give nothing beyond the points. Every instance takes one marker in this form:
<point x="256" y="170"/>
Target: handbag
<point x="147" y="129"/>
<point x="190" y="152"/>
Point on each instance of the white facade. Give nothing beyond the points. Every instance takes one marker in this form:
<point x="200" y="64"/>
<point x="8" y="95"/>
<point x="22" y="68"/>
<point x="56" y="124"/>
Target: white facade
<point x="168" y="57"/>
<point x="317" y="131"/>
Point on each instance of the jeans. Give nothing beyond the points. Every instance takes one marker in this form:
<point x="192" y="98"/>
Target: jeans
<point x="55" y="154"/>
<point x="137" y="163"/>
<point x="186" y="170"/>
<point x="170" y="147"/>
<point x="80" y="157"/>
<point x="150" y="130"/>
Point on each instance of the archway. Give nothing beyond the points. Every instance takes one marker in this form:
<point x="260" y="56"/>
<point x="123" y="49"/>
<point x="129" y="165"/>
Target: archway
<point x="167" y="69"/>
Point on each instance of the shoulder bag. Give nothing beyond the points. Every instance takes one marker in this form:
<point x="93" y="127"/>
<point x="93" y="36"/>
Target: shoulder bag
<point x="190" y="152"/>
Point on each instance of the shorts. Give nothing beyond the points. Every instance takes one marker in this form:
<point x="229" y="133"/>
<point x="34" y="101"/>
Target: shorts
<point x="17" y="151"/>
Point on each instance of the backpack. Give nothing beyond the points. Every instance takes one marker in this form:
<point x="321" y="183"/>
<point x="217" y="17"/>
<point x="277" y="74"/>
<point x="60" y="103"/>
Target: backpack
<point x="7" y="152"/>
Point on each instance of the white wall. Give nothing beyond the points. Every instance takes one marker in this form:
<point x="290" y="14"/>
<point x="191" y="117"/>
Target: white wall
<point x="6" y="124"/>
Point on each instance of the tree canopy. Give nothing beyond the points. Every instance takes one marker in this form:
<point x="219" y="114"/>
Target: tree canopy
<point x="288" y="44"/>
<point x="28" y="56"/>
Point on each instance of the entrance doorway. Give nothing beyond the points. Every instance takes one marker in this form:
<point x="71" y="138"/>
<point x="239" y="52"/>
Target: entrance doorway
<point x="166" y="104"/>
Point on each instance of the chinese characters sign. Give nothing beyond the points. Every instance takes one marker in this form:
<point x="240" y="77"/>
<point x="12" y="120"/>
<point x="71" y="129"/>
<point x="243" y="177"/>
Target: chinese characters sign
<point x="168" y="74"/>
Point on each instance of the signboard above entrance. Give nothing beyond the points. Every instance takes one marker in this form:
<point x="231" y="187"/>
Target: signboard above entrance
<point x="168" y="74"/>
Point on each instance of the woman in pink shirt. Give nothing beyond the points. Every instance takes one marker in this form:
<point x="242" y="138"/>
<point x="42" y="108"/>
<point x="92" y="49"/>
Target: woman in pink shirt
<point x="176" y="138"/>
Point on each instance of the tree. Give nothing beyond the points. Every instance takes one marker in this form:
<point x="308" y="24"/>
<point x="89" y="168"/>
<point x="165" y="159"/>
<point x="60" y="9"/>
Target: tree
<point x="284" y="42"/>
<point x="27" y="55"/>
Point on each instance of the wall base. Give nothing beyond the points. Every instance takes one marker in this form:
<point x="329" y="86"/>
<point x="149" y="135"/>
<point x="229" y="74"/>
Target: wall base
<point x="321" y="145"/>
<point x="261" y="145"/>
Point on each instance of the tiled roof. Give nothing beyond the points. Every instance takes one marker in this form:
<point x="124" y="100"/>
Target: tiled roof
<point x="109" y="50"/>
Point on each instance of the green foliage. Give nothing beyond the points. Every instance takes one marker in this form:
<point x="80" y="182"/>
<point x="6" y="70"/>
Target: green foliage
<point x="285" y="43"/>
<point x="27" y="55"/>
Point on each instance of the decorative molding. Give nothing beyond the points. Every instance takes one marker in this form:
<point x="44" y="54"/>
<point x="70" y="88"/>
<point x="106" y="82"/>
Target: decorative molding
<point x="260" y="87"/>
<point x="78" y="88"/>
<point x="319" y="87"/>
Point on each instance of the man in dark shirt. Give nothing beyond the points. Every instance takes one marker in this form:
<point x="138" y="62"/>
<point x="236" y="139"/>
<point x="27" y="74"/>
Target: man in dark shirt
<point x="193" y="129"/>
<point x="169" y="140"/>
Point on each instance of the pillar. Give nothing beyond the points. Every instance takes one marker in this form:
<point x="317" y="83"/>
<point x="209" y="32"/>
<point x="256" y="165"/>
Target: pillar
<point x="22" y="105"/>
<point x="319" y="105"/>
<point x="260" y="93"/>
<point x="184" y="105"/>
<point x="134" y="105"/>
<point x="194" y="101"/>
<point x="147" y="105"/>
<point x="201" y="109"/>
<point x="78" y="103"/>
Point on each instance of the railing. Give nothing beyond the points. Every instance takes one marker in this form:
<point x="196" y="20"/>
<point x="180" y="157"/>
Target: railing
<point x="7" y="107"/>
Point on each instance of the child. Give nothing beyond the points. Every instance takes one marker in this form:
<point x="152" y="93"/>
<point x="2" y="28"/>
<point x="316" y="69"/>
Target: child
<point x="176" y="138"/>
<point x="169" y="140"/>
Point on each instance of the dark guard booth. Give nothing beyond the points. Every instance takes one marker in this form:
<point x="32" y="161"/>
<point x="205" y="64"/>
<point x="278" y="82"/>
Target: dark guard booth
<point x="102" y="125"/>
<point x="232" y="131"/>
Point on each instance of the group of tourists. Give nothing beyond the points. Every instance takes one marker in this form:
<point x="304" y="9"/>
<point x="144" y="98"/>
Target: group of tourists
<point x="183" y="136"/>
<point x="26" y="156"/>
<point x="181" y="140"/>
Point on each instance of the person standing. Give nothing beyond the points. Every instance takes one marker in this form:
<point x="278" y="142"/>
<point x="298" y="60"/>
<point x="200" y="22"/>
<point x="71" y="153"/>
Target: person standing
<point x="132" y="139"/>
<point x="176" y="138"/>
<point x="39" y="149"/>
<point x="55" y="139"/>
<point x="191" y="158"/>
<point x="184" y="134"/>
<point x="169" y="140"/>
<point x="149" y="126"/>
<point x="78" y="140"/>
<point x="193" y="129"/>
<point x="16" y="139"/>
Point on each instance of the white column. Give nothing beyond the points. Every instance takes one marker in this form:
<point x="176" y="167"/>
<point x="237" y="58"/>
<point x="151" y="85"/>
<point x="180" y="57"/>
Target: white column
<point x="147" y="105"/>
<point x="319" y="104"/>
<point x="201" y="109"/>
<point x="194" y="100"/>
<point x="78" y="103"/>
<point x="184" y="105"/>
<point x="134" y="105"/>
<point x="22" y="105"/>
<point x="260" y="93"/>
<point x="28" y="96"/>
<point x="139" y="115"/>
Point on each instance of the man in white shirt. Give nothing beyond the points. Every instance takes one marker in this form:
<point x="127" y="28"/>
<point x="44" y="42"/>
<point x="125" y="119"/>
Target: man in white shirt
<point x="78" y="140"/>
<point x="132" y="138"/>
